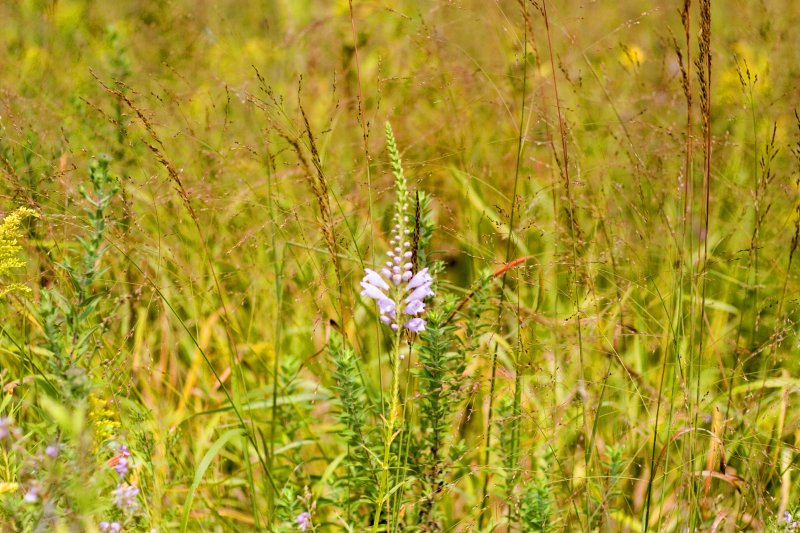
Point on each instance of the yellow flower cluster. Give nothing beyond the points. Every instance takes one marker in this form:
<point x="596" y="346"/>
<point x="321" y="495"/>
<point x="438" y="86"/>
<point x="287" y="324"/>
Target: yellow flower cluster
<point x="103" y="421"/>
<point x="747" y="74"/>
<point x="632" y="56"/>
<point x="10" y="248"/>
<point x="7" y="487"/>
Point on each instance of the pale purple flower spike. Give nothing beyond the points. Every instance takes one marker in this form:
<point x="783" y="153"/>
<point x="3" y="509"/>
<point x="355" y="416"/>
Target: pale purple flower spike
<point x="397" y="287"/>
<point x="5" y="427"/>
<point x="304" y="521"/>
<point x="125" y="496"/>
<point x="124" y="459"/>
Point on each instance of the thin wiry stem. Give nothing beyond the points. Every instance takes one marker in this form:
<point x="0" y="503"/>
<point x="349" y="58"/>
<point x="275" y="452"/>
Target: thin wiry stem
<point x="677" y="331"/>
<point x="573" y="238"/>
<point x="492" y="383"/>
<point x="704" y="62"/>
<point x="389" y="436"/>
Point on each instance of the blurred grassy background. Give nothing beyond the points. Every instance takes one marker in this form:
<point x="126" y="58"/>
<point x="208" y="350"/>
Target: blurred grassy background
<point x="171" y="90"/>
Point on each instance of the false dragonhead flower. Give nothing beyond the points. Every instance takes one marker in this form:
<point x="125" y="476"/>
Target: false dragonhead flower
<point x="399" y="291"/>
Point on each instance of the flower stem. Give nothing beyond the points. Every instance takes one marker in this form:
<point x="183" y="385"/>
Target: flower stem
<point x="394" y="410"/>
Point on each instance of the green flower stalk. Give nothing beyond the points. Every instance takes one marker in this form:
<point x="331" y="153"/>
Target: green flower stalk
<point x="400" y="293"/>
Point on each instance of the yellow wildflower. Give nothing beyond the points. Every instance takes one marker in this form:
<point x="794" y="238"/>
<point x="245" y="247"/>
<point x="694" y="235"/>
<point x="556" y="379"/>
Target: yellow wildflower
<point x="103" y="420"/>
<point x="748" y="70"/>
<point x="10" y="248"/>
<point x="8" y="487"/>
<point x="632" y="56"/>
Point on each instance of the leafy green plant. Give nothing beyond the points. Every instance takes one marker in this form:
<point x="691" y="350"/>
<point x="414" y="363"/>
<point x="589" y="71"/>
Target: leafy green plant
<point x="537" y="502"/>
<point x="358" y="484"/>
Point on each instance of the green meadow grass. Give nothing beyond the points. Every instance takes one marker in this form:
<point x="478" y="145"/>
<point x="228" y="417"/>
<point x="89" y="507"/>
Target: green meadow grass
<point x="608" y="194"/>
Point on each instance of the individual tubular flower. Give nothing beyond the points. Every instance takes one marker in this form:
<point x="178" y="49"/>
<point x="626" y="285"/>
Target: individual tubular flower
<point x="32" y="496"/>
<point x="111" y="527"/>
<point x="9" y="429"/>
<point x="304" y="521"/>
<point x="791" y="523"/>
<point x="121" y="462"/>
<point x="5" y="427"/>
<point x="416" y="325"/>
<point x="125" y="496"/>
<point x="397" y="289"/>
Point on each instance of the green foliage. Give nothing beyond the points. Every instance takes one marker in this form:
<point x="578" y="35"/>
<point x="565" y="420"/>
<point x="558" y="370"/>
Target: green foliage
<point x="61" y="463"/>
<point x="104" y="188"/>
<point x="537" y="503"/>
<point x="69" y="322"/>
<point x="507" y="428"/>
<point x="423" y="231"/>
<point x="289" y="507"/>
<point x="440" y="379"/>
<point x="359" y="483"/>
<point x="615" y="466"/>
